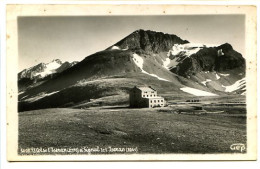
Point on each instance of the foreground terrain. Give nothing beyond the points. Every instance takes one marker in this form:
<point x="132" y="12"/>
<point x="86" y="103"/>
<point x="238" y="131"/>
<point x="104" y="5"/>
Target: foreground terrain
<point x="159" y="130"/>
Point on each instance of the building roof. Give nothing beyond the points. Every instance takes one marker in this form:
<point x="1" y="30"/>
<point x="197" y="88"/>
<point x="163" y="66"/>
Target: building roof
<point x="148" y="89"/>
<point x="158" y="97"/>
<point x="151" y="98"/>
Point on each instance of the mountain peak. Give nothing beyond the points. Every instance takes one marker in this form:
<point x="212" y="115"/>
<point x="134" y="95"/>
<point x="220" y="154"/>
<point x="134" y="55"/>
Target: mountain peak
<point x="149" y="41"/>
<point x="42" y="70"/>
<point x="150" y="31"/>
<point x="225" y="47"/>
<point x="57" y="61"/>
<point x="138" y="30"/>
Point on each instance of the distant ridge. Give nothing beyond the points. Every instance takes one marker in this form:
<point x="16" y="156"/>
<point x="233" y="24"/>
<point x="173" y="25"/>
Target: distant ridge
<point x="44" y="69"/>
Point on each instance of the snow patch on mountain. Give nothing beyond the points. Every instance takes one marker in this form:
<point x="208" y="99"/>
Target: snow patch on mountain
<point x="44" y="69"/>
<point x="205" y="82"/>
<point x="138" y="60"/>
<point x="197" y="92"/>
<point x="156" y="76"/>
<point x="40" y="96"/>
<point x="166" y="62"/>
<point x="125" y="48"/>
<point x="217" y="76"/>
<point x="74" y="63"/>
<point x="237" y="85"/>
<point x="220" y="52"/>
<point x="116" y="48"/>
<point x="24" y="97"/>
<point x="21" y="92"/>
<point x="222" y="74"/>
<point x="180" y="52"/>
<point x="50" y="68"/>
<point x="186" y="49"/>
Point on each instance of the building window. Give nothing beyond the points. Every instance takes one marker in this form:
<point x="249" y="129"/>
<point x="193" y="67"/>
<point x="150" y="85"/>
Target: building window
<point x="151" y="95"/>
<point x="147" y="95"/>
<point x="143" y="95"/>
<point x="154" y="101"/>
<point x="154" y="95"/>
<point x="161" y="100"/>
<point x="151" y="101"/>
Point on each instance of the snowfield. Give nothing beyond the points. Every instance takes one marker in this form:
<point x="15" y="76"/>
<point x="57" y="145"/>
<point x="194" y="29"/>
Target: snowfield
<point x="205" y="82"/>
<point x="118" y="48"/>
<point x="166" y="62"/>
<point x="138" y="60"/>
<point x="40" y="96"/>
<point x="115" y="48"/>
<point x="217" y="76"/>
<point x="187" y="49"/>
<point x="154" y="75"/>
<point x="197" y="92"/>
<point x="237" y="85"/>
<point x="220" y="52"/>
<point x="21" y="92"/>
<point x="50" y="68"/>
<point x="221" y="74"/>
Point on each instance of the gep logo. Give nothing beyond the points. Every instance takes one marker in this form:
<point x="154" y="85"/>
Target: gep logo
<point x="238" y="147"/>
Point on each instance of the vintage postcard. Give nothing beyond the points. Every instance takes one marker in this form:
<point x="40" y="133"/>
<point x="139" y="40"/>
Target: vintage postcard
<point x="131" y="82"/>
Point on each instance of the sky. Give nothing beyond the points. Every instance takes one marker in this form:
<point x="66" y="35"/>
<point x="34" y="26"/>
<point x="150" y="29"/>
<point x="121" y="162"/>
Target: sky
<point x="42" y="39"/>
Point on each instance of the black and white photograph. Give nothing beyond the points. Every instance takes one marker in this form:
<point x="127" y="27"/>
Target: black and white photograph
<point x="157" y="84"/>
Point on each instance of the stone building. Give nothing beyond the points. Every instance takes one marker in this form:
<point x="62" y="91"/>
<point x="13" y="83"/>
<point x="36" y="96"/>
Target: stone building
<point x="145" y="97"/>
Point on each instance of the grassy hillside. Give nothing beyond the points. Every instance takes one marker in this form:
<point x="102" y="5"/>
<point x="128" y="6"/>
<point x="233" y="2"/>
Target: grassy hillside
<point x="84" y="91"/>
<point x="150" y="130"/>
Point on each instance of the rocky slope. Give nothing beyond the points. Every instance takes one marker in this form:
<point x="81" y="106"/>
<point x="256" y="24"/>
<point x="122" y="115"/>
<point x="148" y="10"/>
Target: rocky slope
<point x="219" y="58"/>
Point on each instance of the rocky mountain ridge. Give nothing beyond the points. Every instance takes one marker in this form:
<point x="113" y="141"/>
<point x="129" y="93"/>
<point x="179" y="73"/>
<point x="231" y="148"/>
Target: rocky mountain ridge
<point x="42" y="70"/>
<point x="149" y="41"/>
